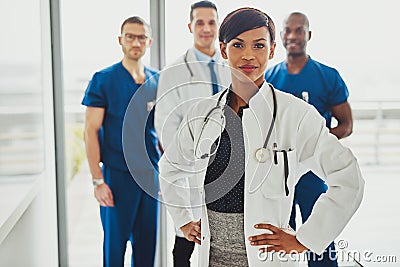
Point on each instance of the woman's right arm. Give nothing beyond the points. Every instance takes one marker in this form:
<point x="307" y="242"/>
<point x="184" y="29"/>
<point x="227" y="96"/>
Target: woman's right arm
<point x="322" y="152"/>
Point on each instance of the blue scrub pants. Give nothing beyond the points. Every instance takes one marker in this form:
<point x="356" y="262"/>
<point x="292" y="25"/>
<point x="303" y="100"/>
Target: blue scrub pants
<point x="133" y="217"/>
<point x="307" y="191"/>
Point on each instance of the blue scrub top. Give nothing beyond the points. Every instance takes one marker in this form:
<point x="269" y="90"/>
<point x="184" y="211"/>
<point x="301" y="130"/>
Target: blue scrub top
<point x="127" y="136"/>
<point x="323" y="84"/>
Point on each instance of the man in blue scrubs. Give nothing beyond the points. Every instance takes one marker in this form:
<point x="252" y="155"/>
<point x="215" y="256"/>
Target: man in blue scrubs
<point x="322" y="87"/>
<point x="119" y="133"/>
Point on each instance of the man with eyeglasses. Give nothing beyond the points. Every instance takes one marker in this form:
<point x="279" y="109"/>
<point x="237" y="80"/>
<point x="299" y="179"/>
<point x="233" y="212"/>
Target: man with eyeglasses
<point x="199" y="72"/>
<point x="322" y="87"/>
<point x="120" y="135"/>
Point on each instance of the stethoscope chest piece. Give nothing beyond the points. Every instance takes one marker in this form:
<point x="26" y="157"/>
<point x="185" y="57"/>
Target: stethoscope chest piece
<point x="261" y="155"/>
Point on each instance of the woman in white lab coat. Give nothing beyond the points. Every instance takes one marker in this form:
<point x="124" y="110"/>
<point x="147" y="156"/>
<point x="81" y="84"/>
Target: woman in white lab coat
<point x="245" y="149"/>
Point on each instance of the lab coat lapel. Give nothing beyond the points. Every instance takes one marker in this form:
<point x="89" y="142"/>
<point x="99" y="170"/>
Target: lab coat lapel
<point x="257" y="120"/>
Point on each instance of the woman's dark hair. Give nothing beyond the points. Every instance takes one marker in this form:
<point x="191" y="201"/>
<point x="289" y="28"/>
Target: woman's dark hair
<point x="242" y="20"/>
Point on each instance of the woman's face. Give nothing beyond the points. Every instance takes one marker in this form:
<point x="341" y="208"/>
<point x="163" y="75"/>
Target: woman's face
<point x="248" y="54"/>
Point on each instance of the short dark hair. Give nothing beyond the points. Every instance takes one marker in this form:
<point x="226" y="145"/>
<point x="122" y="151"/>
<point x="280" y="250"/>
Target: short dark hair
<point x="242" y="20"/>
<point x="201" y="4"/>
<point x="297" y="13"/>
<point x="137" y="20"/>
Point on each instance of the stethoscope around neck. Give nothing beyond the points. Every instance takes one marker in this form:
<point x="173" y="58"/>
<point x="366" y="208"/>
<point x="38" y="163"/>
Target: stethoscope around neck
<point x="187" y="65"/>
<point x="261" y="153"/>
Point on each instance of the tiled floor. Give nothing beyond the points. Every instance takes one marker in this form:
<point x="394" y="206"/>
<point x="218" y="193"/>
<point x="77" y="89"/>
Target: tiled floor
<point x="373" y="231"/>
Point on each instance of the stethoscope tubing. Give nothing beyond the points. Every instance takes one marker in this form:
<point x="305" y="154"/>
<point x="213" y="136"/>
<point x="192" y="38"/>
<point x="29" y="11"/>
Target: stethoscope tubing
<point x="271" y="126"/>
<point x="187" y="64"/>
<point x="218" y="106"/>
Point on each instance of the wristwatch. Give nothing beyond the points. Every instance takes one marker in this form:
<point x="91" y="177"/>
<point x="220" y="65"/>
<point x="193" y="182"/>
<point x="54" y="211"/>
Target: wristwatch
<point x="97" y="181"/>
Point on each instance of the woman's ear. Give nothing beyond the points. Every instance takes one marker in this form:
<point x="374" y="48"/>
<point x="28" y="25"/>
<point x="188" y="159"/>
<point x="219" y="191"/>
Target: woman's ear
<point x="222" y="47"/>
<point x="272" y="51"/>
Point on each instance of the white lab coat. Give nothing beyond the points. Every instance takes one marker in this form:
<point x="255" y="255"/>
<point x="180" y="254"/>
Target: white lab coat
<point x="298" y="128"/>
<point x="178" y="89"/>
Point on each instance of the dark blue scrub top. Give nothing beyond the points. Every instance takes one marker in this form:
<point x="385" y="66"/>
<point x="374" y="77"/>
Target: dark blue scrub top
<point x="324" y="85"/>
<point x="127" y="136"/>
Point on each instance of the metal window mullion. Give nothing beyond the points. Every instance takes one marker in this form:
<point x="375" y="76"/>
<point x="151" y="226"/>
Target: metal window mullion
<point x="58" y="105"/>
<point x="157" y="60"/>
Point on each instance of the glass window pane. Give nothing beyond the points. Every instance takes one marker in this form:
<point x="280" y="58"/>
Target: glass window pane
<point x="21" y="112"/>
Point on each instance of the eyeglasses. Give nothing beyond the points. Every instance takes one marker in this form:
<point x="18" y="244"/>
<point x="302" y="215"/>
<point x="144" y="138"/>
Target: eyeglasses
<point x="131" y="37"/>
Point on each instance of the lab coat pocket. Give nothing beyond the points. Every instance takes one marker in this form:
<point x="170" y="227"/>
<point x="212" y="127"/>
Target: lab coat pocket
<point x="279" y="182"/>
